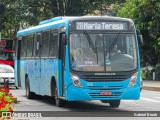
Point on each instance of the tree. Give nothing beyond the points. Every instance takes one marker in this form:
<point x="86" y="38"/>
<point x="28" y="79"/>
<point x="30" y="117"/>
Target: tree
<point x="2" y="9"/>
<point x="20" y="14"/>
<point x="146" y="15"/>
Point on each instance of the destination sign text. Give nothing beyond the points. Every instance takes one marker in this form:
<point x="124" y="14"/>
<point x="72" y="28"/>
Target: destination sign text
<point x="101" y="26"/>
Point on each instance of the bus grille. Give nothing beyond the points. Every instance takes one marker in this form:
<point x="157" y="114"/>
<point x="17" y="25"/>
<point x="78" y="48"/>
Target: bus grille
<point x="97" y="95"/>
<point x="93" y="78"/>
<point x="108" y="88"/>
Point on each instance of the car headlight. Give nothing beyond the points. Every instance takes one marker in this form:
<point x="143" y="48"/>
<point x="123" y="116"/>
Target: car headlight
<point x="75" y="80"/>
<point x="133" y="80"/>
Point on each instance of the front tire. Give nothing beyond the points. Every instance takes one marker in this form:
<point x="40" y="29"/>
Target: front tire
<point x="104" y="101"/>
<point x="59" y="102"/>
<point x="114" y="103"/>
<point x="29" y="94"/>
<point x="16" y="87"/>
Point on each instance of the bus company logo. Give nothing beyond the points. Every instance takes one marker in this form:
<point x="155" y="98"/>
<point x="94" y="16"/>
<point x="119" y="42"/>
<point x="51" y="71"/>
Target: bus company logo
<point x="105" y="73"/>
<point x="6" y="115"/>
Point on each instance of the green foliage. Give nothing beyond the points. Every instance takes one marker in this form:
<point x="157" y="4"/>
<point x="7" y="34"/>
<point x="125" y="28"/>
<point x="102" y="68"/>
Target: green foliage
<point x="147" y="74"/>
<point x="6" y="99"/>
<point x="143" y="75"/>
<point x="146" y="15"/>
<point x="20" y="14"/>
<point x="157" y="69"/>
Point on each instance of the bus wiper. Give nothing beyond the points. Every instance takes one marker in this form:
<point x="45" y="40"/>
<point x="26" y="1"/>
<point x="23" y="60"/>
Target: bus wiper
<point x="116" y="38"/>
<point x="114" y="41"/>
<point x="94" y="48"/>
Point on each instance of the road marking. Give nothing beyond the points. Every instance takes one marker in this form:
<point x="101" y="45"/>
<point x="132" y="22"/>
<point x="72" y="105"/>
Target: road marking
<point x="151" y="100"/>
<point x="157" y="97"/>
<point x="129" y="100"/>
<point x="27" y="103"/>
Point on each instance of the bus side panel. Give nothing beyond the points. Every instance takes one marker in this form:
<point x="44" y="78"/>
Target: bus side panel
<point x="30" y="70"/>
<point x="17" y="72"/>
<point x="46" y="73"/>
<point x="51" y="70"/>
<point x="59" y="77"/>
<point x="43" y="81"/>
<point x="22" y="73"/>
<point x="50" y="67"/>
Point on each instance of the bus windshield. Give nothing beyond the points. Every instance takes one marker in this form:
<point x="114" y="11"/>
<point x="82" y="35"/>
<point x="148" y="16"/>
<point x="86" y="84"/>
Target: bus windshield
<point x="103" y="52"/>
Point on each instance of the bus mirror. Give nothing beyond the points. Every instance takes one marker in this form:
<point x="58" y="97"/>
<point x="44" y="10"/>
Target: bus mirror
<point x="64" y="39"/>
<point x="140" y="38"/>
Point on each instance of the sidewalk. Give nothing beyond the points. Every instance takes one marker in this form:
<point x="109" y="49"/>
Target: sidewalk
<point x="151" y="85"/>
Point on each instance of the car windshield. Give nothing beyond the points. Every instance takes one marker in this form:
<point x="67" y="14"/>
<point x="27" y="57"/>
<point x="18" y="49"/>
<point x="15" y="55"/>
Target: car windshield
<point x="6" y="69"/>
<point x="103" y="52"/>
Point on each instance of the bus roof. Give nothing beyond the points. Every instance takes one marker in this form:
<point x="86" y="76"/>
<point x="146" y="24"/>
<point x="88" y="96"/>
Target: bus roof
<point x="61" y="21"/>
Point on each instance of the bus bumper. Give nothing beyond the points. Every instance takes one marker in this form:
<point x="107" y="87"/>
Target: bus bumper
<point x="74" y="94"/>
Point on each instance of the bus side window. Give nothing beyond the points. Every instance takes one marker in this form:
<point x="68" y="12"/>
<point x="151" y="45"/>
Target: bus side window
<point x="45" y="44"/>
<point x="24" y="47"/>
<point x="30" y="46"/>
<point x="37" y="47"/>
<point x="53" y="48"/>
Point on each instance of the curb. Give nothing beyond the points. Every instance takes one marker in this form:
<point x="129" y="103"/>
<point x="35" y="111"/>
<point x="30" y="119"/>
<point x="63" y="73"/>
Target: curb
<point x="151" y="88"/>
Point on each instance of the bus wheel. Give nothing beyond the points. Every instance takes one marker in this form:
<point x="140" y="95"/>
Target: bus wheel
<point x="114" y="103"/>
<point x="59" y="102"/>
<point x="7" y="84"/>
<point x="16" y="87"/>
<point x="29" y="94"/>
<point x="104" y="101"/>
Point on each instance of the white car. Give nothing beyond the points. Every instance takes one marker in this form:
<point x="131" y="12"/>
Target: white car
<point x="7" y="75"/>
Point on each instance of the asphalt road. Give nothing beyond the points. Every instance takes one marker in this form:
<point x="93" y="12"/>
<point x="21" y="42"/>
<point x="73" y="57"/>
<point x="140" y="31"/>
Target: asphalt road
<point x="150" y="101"/>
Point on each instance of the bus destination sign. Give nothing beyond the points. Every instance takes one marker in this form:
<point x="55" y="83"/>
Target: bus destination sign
<point x="101" y="26"/>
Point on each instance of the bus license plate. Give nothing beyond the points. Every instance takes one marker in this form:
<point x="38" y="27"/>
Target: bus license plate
<point x="108" y="93"/>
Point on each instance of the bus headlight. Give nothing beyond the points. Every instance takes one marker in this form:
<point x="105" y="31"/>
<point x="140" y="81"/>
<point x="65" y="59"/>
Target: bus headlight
<point x="75" y="80"/>
<point x="133" y="80"/>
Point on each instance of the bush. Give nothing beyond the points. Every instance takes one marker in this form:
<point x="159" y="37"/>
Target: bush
<point x="147" y="73"/>
<point x="157" y="70"/>
<point x="6" y="99"/>
<point x="143" y="75"/>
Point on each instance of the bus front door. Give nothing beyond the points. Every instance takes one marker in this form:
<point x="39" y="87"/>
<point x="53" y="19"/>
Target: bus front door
<point x="62" y="53"/>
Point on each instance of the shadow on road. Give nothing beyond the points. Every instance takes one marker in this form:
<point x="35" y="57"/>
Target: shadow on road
<point x="69" y="106"/>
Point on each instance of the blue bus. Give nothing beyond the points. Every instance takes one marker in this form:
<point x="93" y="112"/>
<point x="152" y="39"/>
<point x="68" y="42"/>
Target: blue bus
<point x="80" y="58"/>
